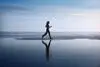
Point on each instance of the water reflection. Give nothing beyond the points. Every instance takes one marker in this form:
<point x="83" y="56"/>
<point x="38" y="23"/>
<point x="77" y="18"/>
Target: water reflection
<point x="47" y="45"/>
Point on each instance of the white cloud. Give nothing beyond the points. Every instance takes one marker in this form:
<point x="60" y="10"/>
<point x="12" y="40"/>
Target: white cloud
<point x="61" y="18"/>
<point x="92" y="3"/>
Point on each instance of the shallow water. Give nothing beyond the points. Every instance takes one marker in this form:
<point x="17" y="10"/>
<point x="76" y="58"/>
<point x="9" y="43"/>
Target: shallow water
<point x="60" y="53"/>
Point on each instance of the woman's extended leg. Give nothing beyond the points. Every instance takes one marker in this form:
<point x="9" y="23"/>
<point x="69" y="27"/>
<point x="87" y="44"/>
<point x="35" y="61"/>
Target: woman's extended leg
<point x="44" y="34"/>
<point x="49" y="34"/>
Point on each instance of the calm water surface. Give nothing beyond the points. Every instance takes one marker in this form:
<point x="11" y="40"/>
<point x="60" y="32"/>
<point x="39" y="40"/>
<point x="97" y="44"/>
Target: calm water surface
<point x="55" y="53"/>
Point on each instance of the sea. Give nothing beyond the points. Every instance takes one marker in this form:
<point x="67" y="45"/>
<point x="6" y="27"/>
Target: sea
<point x="71" y="49"/>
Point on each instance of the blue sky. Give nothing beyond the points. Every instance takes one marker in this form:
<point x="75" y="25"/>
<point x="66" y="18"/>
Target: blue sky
<point x="43" y="2"/>
<point x="65" y="15"/>
<point x="70" y="3"/>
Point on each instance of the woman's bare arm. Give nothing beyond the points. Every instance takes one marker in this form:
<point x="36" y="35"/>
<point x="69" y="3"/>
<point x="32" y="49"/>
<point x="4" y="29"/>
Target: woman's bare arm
<point x="50" y="26"/>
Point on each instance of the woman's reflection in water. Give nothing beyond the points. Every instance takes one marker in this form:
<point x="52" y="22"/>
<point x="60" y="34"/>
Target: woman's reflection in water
<point x="47" y="48"/>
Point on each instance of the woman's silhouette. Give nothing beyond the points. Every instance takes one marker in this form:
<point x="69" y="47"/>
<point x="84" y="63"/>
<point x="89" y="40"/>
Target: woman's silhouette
<point x="47" y="30"/>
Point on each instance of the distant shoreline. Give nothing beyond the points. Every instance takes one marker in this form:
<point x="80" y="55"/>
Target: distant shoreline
<point x="55" y="35"/>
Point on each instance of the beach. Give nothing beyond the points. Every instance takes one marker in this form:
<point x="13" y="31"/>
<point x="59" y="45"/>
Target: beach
<point x="61" y="53"/>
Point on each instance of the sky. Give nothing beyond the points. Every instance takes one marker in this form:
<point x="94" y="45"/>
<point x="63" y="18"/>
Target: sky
<point x="64" y="15"/>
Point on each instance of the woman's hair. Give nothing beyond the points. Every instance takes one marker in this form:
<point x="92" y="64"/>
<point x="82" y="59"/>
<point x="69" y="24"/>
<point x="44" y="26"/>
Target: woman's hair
<point x="48" y="22"/>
